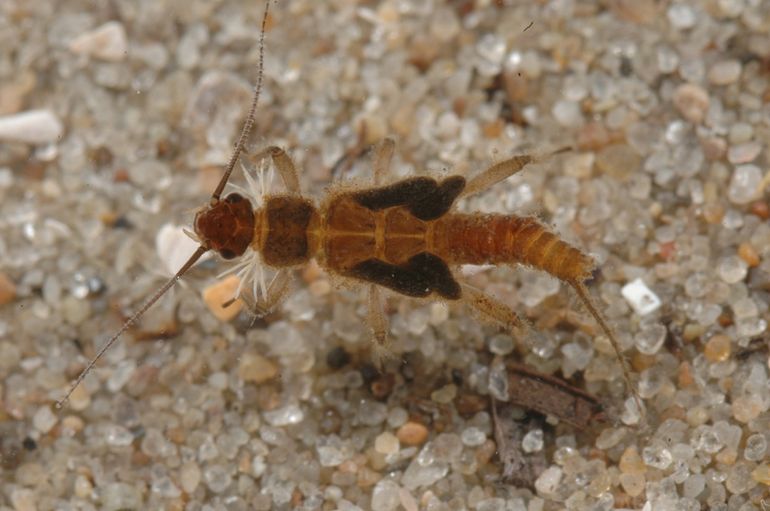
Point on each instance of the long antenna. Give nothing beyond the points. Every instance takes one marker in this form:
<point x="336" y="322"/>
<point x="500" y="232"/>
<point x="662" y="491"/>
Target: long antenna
<point x="247" y="125"/>
<point x="130" y="321"/>
<point x="252" y="110"/>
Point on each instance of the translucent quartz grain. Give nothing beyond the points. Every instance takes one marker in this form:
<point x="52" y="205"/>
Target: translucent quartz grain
<point x="756" y="447"/>
<point x="385" y="496"/>
<point x="650" y="338"/>
<point x="473" y="436"/>
<point x="533" y="441"/>
<point x="548" y="481"/>
<point x="732" y="269"/>
<point x="386" y="443"/>
<point x="744" y="184"/>
<point x="717" y="348"/>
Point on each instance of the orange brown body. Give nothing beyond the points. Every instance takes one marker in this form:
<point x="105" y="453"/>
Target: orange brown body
<point x="401" y="236"/>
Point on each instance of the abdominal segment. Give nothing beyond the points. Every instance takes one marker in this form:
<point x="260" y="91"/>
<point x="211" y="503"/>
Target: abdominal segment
<point x="508" y="239"/>
<point x="387" y="247"/>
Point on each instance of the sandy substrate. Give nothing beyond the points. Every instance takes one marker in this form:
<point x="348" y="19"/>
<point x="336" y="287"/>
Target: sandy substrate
<point x="115" y="121"/>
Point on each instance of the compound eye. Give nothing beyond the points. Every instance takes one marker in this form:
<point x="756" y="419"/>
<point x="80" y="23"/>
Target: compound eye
<point x="227" y="253"/>
<point x="234" y="198"/>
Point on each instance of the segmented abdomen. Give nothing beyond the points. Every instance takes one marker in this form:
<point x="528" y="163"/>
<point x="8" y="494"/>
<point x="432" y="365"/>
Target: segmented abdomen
<point x="508" y="239"/>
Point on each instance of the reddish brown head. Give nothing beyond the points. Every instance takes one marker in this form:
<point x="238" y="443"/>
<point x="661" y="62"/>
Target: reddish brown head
<point x="226" y="226"/>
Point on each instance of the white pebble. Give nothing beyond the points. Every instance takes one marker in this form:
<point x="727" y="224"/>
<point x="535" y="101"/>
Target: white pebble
<point x="549" y="480"/>
<point x="725" y="72"/>
<point x="567" y="113"/>
<point x="386" y="443"/>
<point x="743" y="153"/>
<point x="744" y="184"/>
<point x="640" y="297"/>
<point x="23" y="499"/>
<point x="31" y="127"/>
<point x="44" y="419"/>
<point x="681" y="16"/>
<point x="106" y="42"/>
<point x="174" y="247"/>
<point x="732" y="269"/>
<point x="385" y="496"/>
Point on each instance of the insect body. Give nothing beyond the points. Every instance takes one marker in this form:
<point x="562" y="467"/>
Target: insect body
<point x="403" y="236"/>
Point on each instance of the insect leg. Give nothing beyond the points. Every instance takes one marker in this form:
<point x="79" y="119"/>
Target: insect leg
<point x="376" y="316"/>
<point x="491" y="307"/>
<point x="503" y="170"/>
<point x="379" y="325"/>
<point x="283" y="163"/>
<point x="382" y="156"/>
<point x="275" y="293"/>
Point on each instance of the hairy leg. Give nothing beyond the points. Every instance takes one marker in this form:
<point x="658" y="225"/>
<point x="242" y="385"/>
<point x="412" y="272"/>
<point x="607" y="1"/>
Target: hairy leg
<point x="282" y="163"/>
<point x="383" y="153"/>
<point x="503" y="170"/>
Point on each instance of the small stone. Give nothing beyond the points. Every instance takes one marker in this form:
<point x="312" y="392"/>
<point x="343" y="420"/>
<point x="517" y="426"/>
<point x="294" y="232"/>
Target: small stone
<point x="747" y="408"/>
<point x="106" y="42"/>
<point x="493" y="504"/>
<point x="756" y="447"/>
<point x="717" y="348"/>
<point x="761" y="474"/>
<point x="743" y="153"/>
<point x="332" y="451"/>
<point x="285" y="415"/>
<point x="533" y="441"/>
<point x="501" y="344"/>
<point x="255" y="368"/>
<point x="424" y="470"/>
<point x="23" y="499"/>
<point x="657" y="457"/>
<point x="681" y="16"/>
<point x="473" y="436"/>
<point x="412" y="433"/>
<point x="549" y="480"/>
<point x="740" y="478"/>
<point x="694" y="485"/>
<point x="714" y="148"/>
<point x="631" y="462"/>
<point x="217" y="295"/>
<point x="618" y="161"/>
<point x="31" y="127"/>
<point x="731" y="8"/>
<point x="650" y="339"/>
<point x="189" y="476"/>
<point x="748" y="254"/>
<point x="445" y="394"/>
<point x="174" y="247"/>
<point x="44" y="419"/>
<point x="610" y="437"/>
<point x="633" y="484"/>
<point x="72" y="425"/>
<point x="635" y="11"/>
<point x="115" y="496"/>
<point x="7" y="289"/>
<point x="725" y="72"/>
<point x="744" y="184"/>
<point x="386" y="443"/>
<point x="385" y="496"/>
<point x="116" y="435"/>
<point x="640" y="297"/>
<point x="692" y="101"/>
<point x="567" y="113"/>
<point x="83" y="487"/>
<point x="217" y="478"/>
